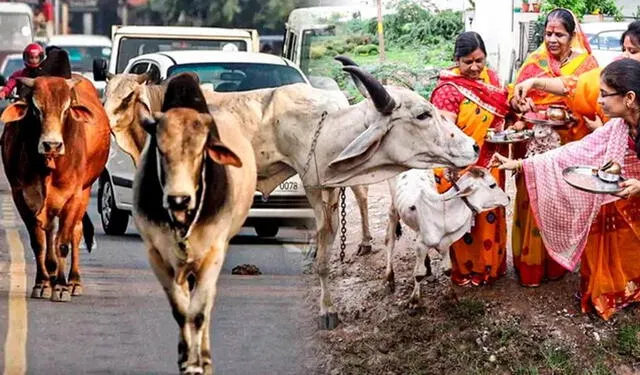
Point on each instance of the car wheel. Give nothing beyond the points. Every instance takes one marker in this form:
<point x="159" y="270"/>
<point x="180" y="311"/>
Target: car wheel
<point x="114" y="220"/>
<point x="267" y="230"/>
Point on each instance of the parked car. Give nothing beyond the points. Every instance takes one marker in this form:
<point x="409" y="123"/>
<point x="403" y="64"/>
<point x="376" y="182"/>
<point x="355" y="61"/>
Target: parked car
<point x="10" y="64"/>
<point x="82" y="50"/>
<point x="604" y="38"/>
<point x="222" y="71"/>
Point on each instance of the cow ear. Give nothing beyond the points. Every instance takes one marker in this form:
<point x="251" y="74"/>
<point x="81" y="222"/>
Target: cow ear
<point x="360" y="149"/>
<point x="14" y="112"/>
<point x="221" y="154"/>
<point x="461" y="194"/>
<point x="81" y="113"/>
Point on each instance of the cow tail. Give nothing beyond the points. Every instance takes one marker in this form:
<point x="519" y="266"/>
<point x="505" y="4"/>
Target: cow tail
<point x="398" y="230"/>
<point x="88" y="231"/>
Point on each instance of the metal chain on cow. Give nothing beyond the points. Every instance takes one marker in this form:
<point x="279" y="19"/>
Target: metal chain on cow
<point x="312" y="149"/>
<point x="343" y="223"/>
<point x="466" y="202"/>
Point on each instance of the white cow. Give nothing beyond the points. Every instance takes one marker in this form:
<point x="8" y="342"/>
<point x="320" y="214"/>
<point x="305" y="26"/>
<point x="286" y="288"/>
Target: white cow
<point x="313" y="132"/>
<point x="439" y="219"/>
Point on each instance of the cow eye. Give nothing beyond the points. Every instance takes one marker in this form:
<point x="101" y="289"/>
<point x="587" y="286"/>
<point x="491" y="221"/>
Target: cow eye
<point x="424" y="115"/>
<point x="492" y="186"/>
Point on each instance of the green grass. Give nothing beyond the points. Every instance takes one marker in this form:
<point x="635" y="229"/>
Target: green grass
<point x="628" y="340"/>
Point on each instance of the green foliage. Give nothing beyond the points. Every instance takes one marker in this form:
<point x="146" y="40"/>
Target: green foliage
<point x="413" y="25"/>
<point x="582" y="7"/>
<point x="628" y="340"/>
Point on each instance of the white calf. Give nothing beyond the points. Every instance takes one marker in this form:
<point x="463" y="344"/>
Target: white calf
<point x="440" y="219"/>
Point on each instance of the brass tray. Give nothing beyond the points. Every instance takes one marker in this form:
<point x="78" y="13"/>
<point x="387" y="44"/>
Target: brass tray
<point x="585" y="178"/>
<point x="526" y="135"/>
<point x="553" y="123"/>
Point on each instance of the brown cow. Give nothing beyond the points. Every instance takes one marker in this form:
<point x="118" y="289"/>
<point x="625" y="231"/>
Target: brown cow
<point x="55" y="144"/>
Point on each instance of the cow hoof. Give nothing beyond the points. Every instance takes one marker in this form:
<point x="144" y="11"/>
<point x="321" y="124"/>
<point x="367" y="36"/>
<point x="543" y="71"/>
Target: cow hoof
<point x="192" y="370"/>
<point x="46" y="292"/>
<point x="390" y="286"/>
<point x="328" y="321"/>
<point x="36" y="292"/>
<point x="61" y="294"/>
<point x="77" y="290"/>
<point x="431" y="279"/>
<point x="363" y="250"/>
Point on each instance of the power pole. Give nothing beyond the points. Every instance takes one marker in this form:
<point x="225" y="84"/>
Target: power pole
<point x="380" y="30"/>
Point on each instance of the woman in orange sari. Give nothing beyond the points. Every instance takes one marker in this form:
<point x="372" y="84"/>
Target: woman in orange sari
<point x="565" y="52"/>
<point x="610" y="267"/>
<point x="470" y="94"/>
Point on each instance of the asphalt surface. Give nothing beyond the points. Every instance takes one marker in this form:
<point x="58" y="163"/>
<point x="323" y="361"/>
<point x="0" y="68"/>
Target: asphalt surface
<point x="123" y="325"/>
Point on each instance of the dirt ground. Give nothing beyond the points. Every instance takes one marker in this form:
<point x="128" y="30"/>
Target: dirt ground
<point x="498" y="329"/>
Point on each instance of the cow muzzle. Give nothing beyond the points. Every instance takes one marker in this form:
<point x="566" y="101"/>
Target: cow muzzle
<point x="51" y="147"/>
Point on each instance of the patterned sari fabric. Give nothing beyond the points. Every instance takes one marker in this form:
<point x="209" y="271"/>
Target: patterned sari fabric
<point x="609" y="267"/>
<point x="530" y="258"/>
<point x="480" y="256"/>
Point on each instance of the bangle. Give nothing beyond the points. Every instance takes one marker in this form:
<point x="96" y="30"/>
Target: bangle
<point x="519" y="165"/>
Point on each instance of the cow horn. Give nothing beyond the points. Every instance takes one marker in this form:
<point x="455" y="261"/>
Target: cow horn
<point x="345" y="61"/>
<point x="381" y="99"/>
<point x="29" y="82"/>
<point x="143" y="78"/>
<point x="110" y="75"/>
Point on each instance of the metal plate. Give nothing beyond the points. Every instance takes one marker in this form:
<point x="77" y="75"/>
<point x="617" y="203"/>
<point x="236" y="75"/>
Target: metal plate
<point x="585" y="178"/>
<point x="527" y="134"/>
<point x="554" y="123"/>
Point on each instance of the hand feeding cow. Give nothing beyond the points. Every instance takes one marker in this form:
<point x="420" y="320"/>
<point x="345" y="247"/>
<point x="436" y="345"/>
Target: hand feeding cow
<point x="439" y="219"/>
<point x="128" y="97"/>
<point x="54" y="146"/>
<point x="192" y="193"/>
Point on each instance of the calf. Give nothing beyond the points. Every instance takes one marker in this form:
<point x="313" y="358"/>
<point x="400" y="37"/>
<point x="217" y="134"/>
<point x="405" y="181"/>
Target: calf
<point x="440" y="219"/>
<point x="192" y="193"/>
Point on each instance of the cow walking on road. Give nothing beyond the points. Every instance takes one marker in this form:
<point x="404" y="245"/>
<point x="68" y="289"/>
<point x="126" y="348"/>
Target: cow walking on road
<point x="192" y="192"/>
<point x="54" y="146"/>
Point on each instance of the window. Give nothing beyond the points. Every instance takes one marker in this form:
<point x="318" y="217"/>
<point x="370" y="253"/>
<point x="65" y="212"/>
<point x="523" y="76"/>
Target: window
<point x="11" y="66"/>
<point x="227" y="77"/>
<point x="15" y="29"/>
<point x="133" y="47"/>
<point x="607" y="40"/>
<point x="139" y="68"/>
<point x="154" y="72"/>
<point x="81" y="57"/>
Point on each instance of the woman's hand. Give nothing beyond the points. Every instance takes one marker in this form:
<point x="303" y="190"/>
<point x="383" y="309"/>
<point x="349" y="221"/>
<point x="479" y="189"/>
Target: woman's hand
<point x="518" y="126"/>
<point x="521" y="90"/>
<point x="522" y="106"/>
<point x="503" y="162"/>
<point x="593" y="124"/>
<point x="630" y="188"/>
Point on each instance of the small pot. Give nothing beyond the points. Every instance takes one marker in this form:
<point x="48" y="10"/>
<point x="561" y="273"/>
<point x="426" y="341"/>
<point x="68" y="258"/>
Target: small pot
<point x="557" y="113"/>
<point x="525" y="7"/>
<point x="610" y="172"/>
<point x="536" y="7"/>
<point x="608" y="177"/>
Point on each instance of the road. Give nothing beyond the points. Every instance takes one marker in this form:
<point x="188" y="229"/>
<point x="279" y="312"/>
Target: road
<point x="123" y="324"/>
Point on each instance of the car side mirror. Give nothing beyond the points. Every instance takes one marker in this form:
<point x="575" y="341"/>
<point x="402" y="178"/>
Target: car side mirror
<point x="3" y="81"/>
<point x="100" y="69"/>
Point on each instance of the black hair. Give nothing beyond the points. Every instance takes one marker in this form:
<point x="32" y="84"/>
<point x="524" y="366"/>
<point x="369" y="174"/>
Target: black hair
<point x="468" y="42"/>
<point x="565" y="17"/>
<point x="633" y="32"/>
<point x="624" y="76"/>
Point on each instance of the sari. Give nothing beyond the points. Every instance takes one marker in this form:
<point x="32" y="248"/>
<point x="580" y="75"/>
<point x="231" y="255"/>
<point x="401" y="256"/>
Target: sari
<point x="530" y="258"/>
<point x="602" y="230"/>
<point x="609" y="266"/>
<point x="480" y="256"/>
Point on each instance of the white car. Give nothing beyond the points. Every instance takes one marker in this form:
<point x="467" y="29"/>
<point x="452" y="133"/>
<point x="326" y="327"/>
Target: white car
<point x="82" y="50"/>
<point x="604" y="38"/>
<point x="287" y="205"/>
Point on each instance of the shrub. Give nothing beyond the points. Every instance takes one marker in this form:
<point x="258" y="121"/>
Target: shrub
<point x="318" y="51"/>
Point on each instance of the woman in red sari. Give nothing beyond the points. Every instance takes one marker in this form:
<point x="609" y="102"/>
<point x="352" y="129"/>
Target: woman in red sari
<point x="470" y="94"/>
<point x="565" y="52"/>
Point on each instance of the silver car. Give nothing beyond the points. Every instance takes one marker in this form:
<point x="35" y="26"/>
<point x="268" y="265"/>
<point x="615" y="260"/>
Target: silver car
<point x="287" y="205"/>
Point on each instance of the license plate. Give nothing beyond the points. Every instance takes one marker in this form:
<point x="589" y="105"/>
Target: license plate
<point x="289" y="186"/>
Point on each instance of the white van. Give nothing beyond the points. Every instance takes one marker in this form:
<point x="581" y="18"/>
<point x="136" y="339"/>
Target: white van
<point x="16" y="28"/>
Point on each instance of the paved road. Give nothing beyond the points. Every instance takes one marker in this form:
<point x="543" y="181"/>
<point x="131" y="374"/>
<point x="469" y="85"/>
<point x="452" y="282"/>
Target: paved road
<point x="123" y="325"/>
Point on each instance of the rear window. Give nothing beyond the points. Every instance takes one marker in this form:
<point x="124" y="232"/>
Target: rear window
<point x="229" y="77"/>
<point x="606" y="40"/>
<point x="133" y="47"/>
<point x="12" y="66"/>
<point x="81" y="57"/>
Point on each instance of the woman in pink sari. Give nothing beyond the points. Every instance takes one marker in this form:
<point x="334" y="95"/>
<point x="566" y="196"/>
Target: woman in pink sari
<point x="566" y="215"/>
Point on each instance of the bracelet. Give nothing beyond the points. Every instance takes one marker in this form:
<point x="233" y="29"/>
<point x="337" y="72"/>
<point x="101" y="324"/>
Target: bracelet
<point x="519" y="165"/>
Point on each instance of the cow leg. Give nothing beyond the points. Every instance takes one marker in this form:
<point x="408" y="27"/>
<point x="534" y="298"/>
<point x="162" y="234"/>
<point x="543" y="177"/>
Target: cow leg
<point x="325" y="208"/>
<point x="178" y="296"/>
<point x="199" y="314"/>
<point x="79" y="212"/>
<point x="38" y="241"/>
<point x="390" y="241"/>
<point x="361" y="194"/>
<point x="421" y="270"/>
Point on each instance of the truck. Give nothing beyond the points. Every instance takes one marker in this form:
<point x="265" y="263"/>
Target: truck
<point x="132" y="41"/>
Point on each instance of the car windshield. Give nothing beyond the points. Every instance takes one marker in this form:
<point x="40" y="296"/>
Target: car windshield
<point x="15" y="29"/>
<point x="11" y="66"/>
<point x="227" y="77"/>
<point x="606" y="40"/>
<point x="132" y="47"/>
<point x="81" y="57"/>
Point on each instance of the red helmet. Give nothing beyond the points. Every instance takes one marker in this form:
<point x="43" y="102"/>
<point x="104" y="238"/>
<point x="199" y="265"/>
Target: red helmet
<point x="33" y="49"/>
